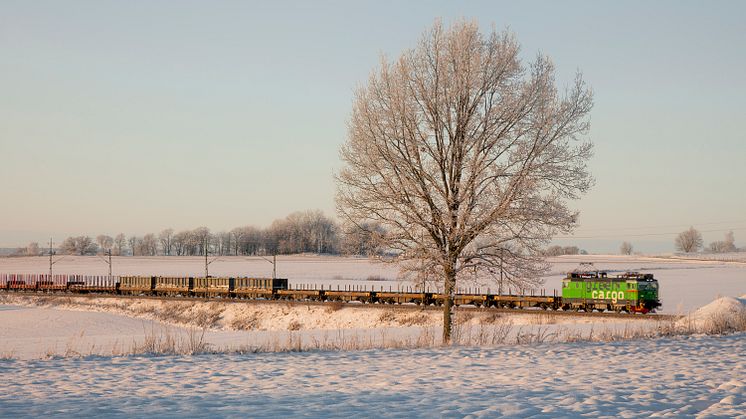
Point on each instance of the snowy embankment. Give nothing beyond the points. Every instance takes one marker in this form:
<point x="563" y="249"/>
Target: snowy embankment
<point x="48" y="326"/>
<point x="673" y="377"/>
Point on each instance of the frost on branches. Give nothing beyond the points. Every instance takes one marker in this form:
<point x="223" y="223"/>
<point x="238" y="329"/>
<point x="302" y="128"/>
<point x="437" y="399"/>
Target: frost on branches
<point x="466" y="156"/>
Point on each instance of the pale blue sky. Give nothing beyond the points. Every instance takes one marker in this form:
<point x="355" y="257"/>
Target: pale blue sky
<point x="133" y="116"/>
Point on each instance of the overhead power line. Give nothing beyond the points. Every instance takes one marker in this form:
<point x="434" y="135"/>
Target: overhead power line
<point x="606" y="236"/>
<point x="596" y="230"/>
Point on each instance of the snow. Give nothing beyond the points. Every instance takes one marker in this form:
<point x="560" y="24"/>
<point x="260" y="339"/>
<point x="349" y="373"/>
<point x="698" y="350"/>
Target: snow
<point x="41" y="327"/>
<point x="701" y="376"/>
<point x="685" y="284"/>
<point x="724" y="311"/>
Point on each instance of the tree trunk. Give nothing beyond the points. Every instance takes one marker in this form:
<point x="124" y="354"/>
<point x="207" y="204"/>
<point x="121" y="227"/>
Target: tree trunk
<point x="450" y="280"/>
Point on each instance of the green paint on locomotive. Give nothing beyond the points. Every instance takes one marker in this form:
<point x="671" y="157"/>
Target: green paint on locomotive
<point x="631" y="291"/>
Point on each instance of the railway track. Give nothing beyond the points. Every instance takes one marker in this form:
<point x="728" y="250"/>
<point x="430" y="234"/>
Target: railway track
<point x="354" y="304"/>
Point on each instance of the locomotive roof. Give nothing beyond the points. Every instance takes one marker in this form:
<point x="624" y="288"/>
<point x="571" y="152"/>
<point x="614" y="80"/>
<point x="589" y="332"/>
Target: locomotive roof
<point x="602" y="276"/>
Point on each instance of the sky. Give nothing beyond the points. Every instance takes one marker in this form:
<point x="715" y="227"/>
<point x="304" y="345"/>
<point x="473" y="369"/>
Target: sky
<point x="137" y="116"/>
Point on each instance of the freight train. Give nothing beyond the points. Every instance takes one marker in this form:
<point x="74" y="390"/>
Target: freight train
<point x="630" y="292"/>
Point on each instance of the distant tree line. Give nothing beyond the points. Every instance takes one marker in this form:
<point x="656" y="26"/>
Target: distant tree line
<point x="299" y="232"/>
<point x="563" y="250"/>
<point x="690" y="241"/>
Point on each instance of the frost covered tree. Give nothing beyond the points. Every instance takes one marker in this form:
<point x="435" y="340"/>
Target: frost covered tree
<point x="132" y="242"/>
<point x="626" y="248"/>
<point x="33" y="249"/>
<point x="149" y="245"/>
<point x="201" y="238"/>
<point x="181" y="241"/>
<point x="724" y="246"/>
<point x="105" y="242"/>
<point x="120" y="243"/>
<point x="301" y="232"/>
<point x="246" y="240"/>
<point x="80" y="245"/>
<point x="165" y="237"/>
<point x="466" y="156"/>
<point x="362" y="239"/>
<point x="689" y="241"/>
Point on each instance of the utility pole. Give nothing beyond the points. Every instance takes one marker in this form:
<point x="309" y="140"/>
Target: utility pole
<point x="108" y="262"/>
<point x="207" y="263"/>
<point x="274" y="264"/>
<point x="52" y="262"/>
<point x="50" y="259"/>
<point x="500" y="286"/>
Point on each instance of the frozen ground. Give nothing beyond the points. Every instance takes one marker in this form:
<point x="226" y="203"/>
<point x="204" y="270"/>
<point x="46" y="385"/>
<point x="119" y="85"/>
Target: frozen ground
<point x="43" y="327"/>
<point x="680" y="377"/>
<point x="685" y="284"/>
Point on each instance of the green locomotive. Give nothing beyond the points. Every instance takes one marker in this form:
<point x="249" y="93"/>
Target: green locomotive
<point x="632" y="292"/>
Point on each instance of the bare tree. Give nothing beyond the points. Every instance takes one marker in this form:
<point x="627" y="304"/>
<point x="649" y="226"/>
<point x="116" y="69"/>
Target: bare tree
<point x="33" y="249"/>
<point x="166" y="237"/>
<point x="724" y="246"/>
<point x="224" y="242"/>
<point x="80" y="245"/>
<point x="689" y="241"/>
<point x="362" y="239"/>
<point x="180" y="242"/>
<point x="625" y="248"/>
<point x="132" y="241"/>
<point x="201" y="239"/>
<point x="250" y="241"/>
<point x="466" y="157"/>
<point x="105" y="242"/>
<point x="302" y="232"/>
<point x="149" y="245"/>
<point x="561" y="250"/>
<point x="120" y="242"/>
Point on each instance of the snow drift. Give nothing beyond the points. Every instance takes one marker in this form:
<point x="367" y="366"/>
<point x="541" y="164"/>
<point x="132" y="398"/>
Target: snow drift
<point x="725" y="314"/>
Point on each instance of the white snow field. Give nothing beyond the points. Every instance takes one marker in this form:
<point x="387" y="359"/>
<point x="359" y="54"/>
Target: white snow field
<point x="677" y="377"/>
<point x="36" y="327"/>
<point x="685" y="284"/>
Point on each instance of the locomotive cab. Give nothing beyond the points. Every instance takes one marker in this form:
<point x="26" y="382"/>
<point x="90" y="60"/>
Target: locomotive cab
<point x="647" y="289"/>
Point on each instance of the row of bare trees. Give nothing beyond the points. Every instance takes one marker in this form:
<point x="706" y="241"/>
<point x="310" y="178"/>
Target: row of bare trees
<point x="299" y="232"/>
<point x="690" y="240"/>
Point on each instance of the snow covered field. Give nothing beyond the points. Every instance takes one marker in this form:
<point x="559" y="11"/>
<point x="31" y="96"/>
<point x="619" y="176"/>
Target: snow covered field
<point x="679" y="377"/>
<point x="685" y="284"/>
